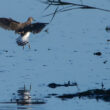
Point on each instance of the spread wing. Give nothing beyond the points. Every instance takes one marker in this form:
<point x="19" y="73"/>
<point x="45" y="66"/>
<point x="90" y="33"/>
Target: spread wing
<point x="34" y="28"/>
<point x="9" y="24"/>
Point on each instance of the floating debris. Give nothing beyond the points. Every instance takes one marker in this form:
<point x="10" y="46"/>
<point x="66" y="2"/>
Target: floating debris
<point x="46" y="30"/>
<point x="44" y="65"/>
<point x="98" y="53"/>
<point x="53" y="94"/>
<point x="102" y="85"/>
<point x="49" y="49"/>
<point x="50" y="95"/>
<point x="107" y="28"/>
<point x="108" y="40"/>
<point x="54" y="85"/>
<point x="35" y="50"/>
<point x="105" y="61"/>
<point x="5" y="51"/>
<point x="75" y="51"/>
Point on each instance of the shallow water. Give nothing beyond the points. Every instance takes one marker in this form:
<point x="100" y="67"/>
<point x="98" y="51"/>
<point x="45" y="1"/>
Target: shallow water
<point x="65" y="53"/>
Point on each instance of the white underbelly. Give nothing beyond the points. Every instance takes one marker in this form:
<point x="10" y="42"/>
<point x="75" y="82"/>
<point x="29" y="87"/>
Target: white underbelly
<point x="26" y="36"/>
<point x="23" y="40"/>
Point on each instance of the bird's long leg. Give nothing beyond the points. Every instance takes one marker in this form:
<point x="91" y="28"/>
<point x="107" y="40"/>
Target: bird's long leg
<point x="29" y="45"/>
<point x="23" y="47"/>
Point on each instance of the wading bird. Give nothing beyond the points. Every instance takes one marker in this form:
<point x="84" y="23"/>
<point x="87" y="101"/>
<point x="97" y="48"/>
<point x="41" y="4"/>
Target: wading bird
<point x="24" y="29"/>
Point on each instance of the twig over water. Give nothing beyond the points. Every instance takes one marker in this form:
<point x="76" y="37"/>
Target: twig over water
<point x="70" y="5"/>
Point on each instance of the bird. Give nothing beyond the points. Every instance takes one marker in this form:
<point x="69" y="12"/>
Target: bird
<point x="22" y="28"/>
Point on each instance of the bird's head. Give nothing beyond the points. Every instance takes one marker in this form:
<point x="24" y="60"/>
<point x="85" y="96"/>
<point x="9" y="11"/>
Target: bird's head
<point x="30" y="19"/>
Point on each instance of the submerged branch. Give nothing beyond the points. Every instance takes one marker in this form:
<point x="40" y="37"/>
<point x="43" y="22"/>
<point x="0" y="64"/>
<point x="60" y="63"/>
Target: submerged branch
<point x="79" y="6"/>
<point x="54" y="14"/>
